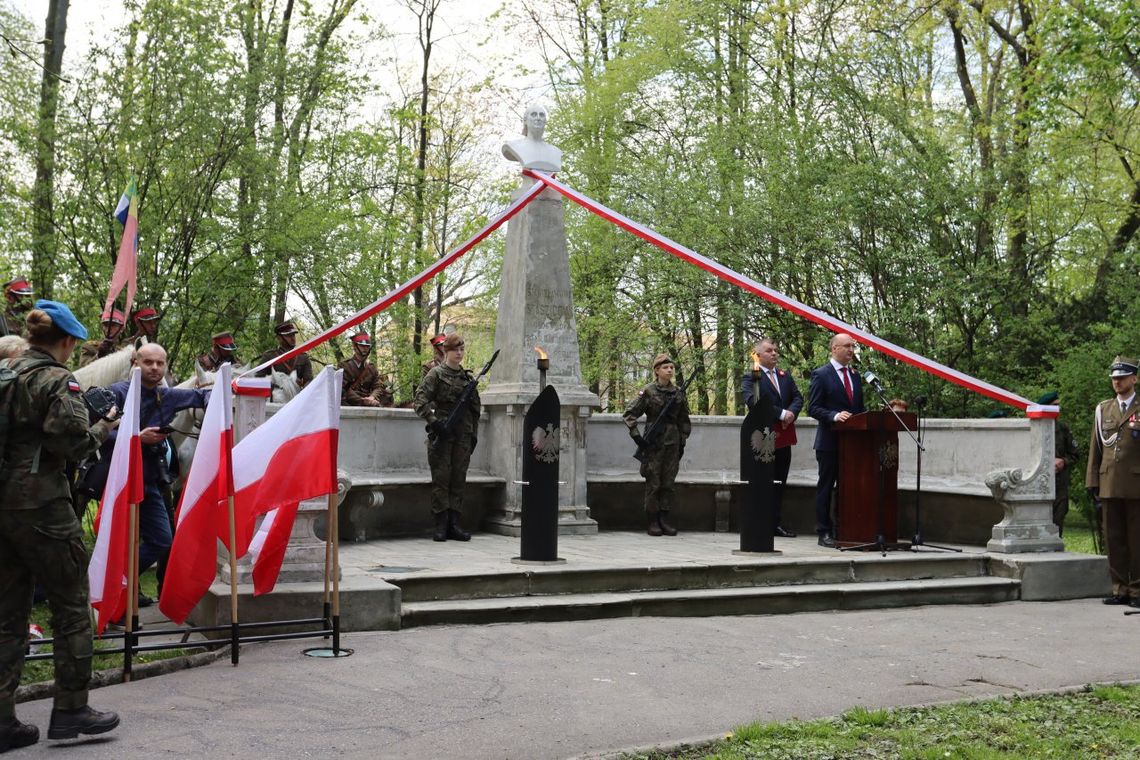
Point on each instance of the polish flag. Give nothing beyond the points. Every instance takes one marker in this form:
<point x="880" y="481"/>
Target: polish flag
<point x="107" y="570"/>
<point x="203" y="513"/>
<point x="291" y="457"/>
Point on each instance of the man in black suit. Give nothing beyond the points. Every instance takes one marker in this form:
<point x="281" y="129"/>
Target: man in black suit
<point x="787" y="401"/>
<point x="836" y="394"/>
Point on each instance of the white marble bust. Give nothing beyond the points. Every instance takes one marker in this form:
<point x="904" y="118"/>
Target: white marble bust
<point x="532" y="151"/>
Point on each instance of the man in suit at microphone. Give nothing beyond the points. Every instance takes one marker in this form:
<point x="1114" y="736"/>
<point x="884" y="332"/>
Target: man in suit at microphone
<point x="787" y="400"/>
<point x="836" y="393"/>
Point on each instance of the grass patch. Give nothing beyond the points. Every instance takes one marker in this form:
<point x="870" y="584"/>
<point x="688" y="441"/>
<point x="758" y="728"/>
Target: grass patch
<point x="1103" y="722"/>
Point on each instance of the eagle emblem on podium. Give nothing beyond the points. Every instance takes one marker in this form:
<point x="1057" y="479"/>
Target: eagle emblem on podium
<point x="544" y="443"/>
<point x="764" y="445"/>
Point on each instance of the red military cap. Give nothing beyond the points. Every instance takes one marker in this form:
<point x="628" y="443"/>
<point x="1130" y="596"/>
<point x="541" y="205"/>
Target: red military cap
<point x="225" y="341"/>
<point x="115" y="317"/>
<point x="18" y="287"/>
<point x="438" y="340"/>
<point x="362" y="340"/>
<point x="145" y="315"/>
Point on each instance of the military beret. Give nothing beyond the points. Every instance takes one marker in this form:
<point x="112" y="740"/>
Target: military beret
<point x="62" y="318"/>
<point x="662" y="359"/>
<point x="18" y="287"/>
<point x="362" y="340"/>
<point x="1049" y="398"/>
<point x="1122" y="367"/>
<point x="115" y="317"/>
<point x="452" y="342"/>
<point x="225" y="341"/>
<point x="997" y="414"/>
<point x="286" y="328"/>
<point x="146" y="314"/>
<point x="438" y="340"/>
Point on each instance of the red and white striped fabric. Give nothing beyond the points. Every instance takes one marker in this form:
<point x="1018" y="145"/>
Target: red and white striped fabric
<point x="288" y="459"/>
<point x="107" y="571"/>
<point x="203" y="513"/>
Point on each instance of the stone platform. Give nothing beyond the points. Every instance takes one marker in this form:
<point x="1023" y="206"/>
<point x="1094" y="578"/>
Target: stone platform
<point x="395" y="583"/>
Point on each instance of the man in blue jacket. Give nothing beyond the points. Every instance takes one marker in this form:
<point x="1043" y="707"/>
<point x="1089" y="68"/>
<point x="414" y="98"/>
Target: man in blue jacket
<point x="836" y="394"/>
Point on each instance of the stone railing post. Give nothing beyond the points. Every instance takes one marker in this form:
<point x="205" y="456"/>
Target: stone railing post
<point x="1027" y="499"/>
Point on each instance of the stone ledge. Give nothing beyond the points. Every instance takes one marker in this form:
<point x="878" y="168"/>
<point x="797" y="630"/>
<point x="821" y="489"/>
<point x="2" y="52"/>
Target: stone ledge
<point x="1050" y="576"/>
<point x="395" y="478"/>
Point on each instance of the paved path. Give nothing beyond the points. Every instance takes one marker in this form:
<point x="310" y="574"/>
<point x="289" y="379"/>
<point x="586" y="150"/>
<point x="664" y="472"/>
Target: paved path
<point x="556" y="690"/>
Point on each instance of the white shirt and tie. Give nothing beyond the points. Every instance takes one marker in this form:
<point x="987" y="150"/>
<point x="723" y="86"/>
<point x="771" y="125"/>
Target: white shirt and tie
<point x="771" y="373"/>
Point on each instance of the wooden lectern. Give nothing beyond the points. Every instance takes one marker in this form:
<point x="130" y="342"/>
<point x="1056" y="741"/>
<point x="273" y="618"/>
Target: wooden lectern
<point x="867" y="507"/>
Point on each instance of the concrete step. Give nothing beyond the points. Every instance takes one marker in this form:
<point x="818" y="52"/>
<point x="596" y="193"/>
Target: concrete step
<point x="558" y="579"/>
<point x="763" y="600"/>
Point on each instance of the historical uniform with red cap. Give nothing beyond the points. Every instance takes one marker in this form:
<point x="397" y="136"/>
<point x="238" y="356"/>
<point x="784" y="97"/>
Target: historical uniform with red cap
<point x="362" y="383"/>
<point x="436" y="358"/>
<point x="286" y="333"/>
<point x="223" y="350"/>
<point x="18" y="294"/>
<point x="112" y="339"/>
<point x="1113" y="477"/>
<point x="449" y="451"/>
<point x="145" y="320"/>
<point x="664" y="455"/>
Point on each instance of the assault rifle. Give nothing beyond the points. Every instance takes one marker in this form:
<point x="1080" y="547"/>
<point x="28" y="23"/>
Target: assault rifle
<point x="654" y="430"/>
<point x="459" y="411"/>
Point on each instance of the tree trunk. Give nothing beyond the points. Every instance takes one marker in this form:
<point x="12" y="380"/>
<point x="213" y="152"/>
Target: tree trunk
<point x="43" y="192"/>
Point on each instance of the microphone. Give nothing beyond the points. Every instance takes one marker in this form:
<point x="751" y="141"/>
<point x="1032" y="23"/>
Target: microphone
<point x="919" y="401"/>
<point x="872" y="380"/>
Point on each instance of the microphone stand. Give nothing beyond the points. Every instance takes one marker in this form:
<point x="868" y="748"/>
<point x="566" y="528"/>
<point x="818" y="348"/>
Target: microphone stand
<point x="916" y="541"/>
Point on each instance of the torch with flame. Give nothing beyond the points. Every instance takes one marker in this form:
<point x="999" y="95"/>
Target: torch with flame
<point x="755" y="364"/>
<point x="543" y="366"/>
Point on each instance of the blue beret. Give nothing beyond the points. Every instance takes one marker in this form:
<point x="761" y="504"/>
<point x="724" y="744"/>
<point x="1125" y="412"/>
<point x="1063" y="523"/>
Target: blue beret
<point x="62" y="318"/>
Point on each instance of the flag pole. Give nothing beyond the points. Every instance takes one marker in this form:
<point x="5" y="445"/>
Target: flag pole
<point x="331" y="520"/>
<point x="233" y="585"/>
<point x="132" y="610"/>
<point x="334" y="535"/>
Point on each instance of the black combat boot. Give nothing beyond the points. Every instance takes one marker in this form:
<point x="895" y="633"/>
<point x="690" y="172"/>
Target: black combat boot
<point x="666" y="528"/>
<point x="440" y="532"/>
<point x="454" y="530"/>
<point x="68" y="724"/>
<point x="654" y="524"/>
<point x="14" y="734"/>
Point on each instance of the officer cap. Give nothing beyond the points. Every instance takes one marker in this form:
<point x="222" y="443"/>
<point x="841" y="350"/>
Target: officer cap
<point x="1049" y="398"/>
<point x="452" y="342"/>
<point x="438" y="340"/>
<point x="225" y="341"/>
<point x="114" y="317"/>
<point x="1122" y="367"/>
<point x="662" y="359"/>
<point x="146" y="314"/>
<point x="997" y="414"/>
<point x="286" y="328"/>
<point x="362" y="339"/>
<point x="18" y="287"/>
<point x="62" y="318"/>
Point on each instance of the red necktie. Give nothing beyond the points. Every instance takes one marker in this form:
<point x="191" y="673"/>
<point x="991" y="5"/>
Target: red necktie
<point x="847" y="386"/>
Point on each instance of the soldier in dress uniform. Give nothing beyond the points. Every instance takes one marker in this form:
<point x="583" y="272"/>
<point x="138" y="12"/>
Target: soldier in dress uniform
<point x="286" y="340"/>
<point x="436" y="358"/>
<point x="223" y="350"/>
<point x="1065" y="455"/>
<point x="362" y="383"/>
<point x="18" y="295"/>
<point x="41" y="539"/>
<point x="449" y="451"/>
<point x="112" y="323"/>
<point x="146" y="325"/>
<point x="1113" y="477"/>
<point x="664" y="456"/>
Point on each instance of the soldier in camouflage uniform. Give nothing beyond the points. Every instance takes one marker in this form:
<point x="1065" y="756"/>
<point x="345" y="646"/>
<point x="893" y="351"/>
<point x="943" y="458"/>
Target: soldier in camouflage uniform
<point x="18" y="297"/>
<point x="40" y="537"/>
<point x="1065" y="455"/>
<point x="664" y="456"/>
<point x="112" y="339"/>
<point x="286" y="341"/>
<point x="363" y="383"/>
<point x="449" y="452"/>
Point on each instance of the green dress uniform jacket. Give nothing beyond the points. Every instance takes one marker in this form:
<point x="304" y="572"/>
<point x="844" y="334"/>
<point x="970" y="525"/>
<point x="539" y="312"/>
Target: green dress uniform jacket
<point x="1114" y="469"/>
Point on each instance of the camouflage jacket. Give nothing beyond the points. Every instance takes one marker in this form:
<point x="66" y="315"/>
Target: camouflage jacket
<point x="438" y="393"/>
<point x="50" y="428"/>
<point x="302" y="365"/>
<point x="650" y="401"/>
<point x="1064" y="447"/>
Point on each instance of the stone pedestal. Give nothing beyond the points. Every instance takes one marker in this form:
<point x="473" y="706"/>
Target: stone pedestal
<point x="1027" y="499"/>
<point x="536" y="308"/>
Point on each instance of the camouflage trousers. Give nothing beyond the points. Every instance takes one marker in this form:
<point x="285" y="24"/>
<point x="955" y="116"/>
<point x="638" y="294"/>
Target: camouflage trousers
<point x="1060" y="509"/>
<point x="45" y="545"/>
<point x="660" y="473"/>
<point x="448" y="463"/>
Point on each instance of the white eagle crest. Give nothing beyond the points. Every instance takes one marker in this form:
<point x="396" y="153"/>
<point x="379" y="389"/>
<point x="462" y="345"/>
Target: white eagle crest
<point x="764" y="445"/>
<point x="544" y="441"/>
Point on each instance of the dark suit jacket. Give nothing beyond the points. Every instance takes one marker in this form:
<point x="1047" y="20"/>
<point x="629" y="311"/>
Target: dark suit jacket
<point x="826" y="398"/>
<point x="789" y="398"/>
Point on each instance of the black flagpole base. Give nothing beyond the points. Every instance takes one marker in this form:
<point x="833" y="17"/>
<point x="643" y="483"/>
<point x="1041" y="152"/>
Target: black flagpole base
<point x="917" y="544"/>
